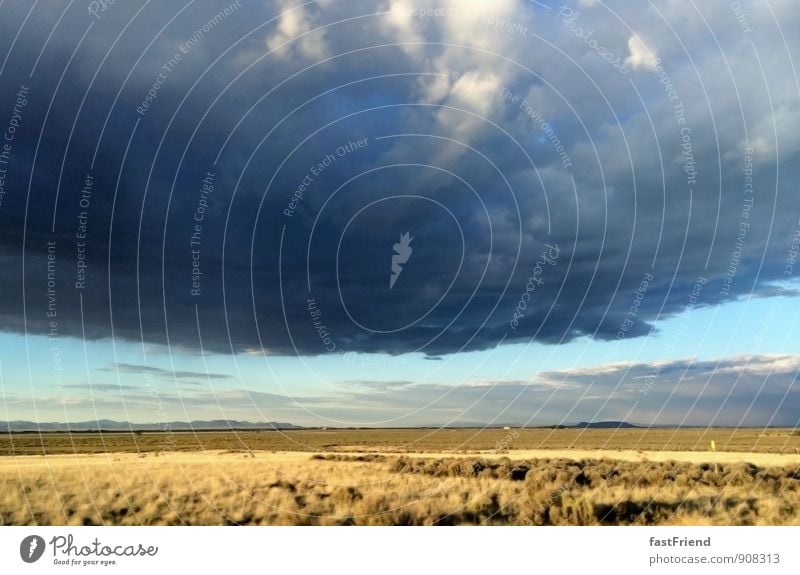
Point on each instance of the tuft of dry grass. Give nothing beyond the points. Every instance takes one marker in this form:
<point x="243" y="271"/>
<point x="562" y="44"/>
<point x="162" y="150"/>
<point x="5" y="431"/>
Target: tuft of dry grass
<point x="372" y="489"/>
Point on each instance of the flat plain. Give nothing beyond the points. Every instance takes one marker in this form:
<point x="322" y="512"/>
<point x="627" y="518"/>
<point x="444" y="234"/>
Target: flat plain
<point x="402" y="477"/>
<point x="771" y="440"/>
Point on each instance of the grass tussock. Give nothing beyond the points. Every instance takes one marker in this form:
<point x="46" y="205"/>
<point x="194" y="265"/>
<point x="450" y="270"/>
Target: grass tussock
<point x="372" y="489"/>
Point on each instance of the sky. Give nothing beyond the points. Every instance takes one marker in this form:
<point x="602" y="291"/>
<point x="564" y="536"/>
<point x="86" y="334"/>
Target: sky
<point x="400" y="212"/>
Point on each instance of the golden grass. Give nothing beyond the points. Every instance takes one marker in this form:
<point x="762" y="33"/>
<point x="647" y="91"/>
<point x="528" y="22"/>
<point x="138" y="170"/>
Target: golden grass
<point x="371" y="489"/>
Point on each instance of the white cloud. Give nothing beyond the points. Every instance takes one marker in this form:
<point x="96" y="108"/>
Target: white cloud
<point x="641" y="56"/>
<point x="297" y="23"/>
<point x="476" y="93"/>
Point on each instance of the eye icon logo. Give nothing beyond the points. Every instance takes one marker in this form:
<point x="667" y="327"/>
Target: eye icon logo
<point x="31" y="549"/>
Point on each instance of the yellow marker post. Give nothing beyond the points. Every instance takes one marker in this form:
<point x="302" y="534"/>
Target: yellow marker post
<point x="714" y="451"/>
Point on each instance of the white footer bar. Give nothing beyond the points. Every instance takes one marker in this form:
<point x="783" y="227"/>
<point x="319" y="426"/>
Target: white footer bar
<point x="400" y="550"/>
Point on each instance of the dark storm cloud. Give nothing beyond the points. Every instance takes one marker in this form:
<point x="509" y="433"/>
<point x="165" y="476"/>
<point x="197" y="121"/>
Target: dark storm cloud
<point x="577" y="214"/>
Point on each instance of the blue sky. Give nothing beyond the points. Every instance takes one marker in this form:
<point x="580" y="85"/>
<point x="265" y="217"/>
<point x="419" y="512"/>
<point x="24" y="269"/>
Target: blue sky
<point x="90" y="371"/>
<point x="601" y="204"/>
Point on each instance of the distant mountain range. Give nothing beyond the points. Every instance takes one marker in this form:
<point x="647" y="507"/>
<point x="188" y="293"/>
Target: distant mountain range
<point x="111" y="425"/>
<point x="604" y="425"/>
<point x="581" y="425"/>
<point x="231" y="424"/>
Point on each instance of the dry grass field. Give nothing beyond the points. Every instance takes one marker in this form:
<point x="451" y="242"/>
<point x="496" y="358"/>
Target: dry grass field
<point x="398" y="477"/>
<point x="218" y="488"/>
